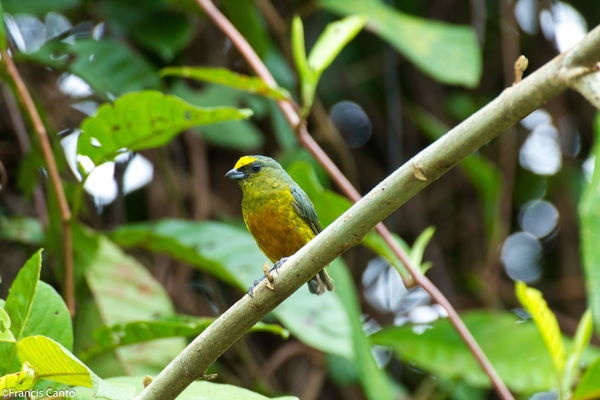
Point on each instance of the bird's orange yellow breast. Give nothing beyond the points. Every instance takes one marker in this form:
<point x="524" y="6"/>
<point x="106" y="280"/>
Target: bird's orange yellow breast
<point x="277" y="228"/>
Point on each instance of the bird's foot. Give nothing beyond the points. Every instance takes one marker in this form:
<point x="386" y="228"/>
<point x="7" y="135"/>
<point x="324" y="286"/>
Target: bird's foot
<point x="268" y="276"/>
<point x="251" y="288"/>
<point x="278" y="264"/>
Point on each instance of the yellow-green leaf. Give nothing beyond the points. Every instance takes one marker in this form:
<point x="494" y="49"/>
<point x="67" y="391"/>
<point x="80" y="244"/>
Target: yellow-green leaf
<point x="20" y="381"/>
<point x="329" y="44"/>
<point x="580" y="342"/>
<point x="333" y="39"/>
<point x="53" y="361"/>
<point x="224" y="76"/>
<point x="532" y="300"/>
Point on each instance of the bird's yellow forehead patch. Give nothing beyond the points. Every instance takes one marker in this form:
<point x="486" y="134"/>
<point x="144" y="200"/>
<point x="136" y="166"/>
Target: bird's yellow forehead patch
<point x="242" y="162"/>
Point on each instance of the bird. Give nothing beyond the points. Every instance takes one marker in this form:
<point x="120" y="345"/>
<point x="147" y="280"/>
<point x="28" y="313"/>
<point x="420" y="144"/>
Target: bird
<point x="277" y="212"/>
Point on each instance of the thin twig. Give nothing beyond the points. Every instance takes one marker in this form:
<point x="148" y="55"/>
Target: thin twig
<point x="65" y="212"/>
<point x="344" y="184"/>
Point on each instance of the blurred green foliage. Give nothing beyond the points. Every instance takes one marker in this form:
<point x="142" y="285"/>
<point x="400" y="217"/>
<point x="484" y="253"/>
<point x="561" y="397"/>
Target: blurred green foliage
<point x="154" y="267"/>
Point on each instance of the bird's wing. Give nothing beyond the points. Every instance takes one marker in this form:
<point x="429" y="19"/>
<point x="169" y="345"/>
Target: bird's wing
<point x="305" y="208"/>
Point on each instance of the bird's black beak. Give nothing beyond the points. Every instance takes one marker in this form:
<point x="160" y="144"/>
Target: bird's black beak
<point x="236" y="174"/>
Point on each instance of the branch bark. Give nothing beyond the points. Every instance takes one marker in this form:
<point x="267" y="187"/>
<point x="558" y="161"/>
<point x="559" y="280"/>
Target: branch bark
<point x="511" y="106"/>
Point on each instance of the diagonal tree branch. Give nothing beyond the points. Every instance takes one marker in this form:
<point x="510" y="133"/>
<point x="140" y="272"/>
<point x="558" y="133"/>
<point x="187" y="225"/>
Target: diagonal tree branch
<point x="299" y="125"/>
<point x="512" y="105"/>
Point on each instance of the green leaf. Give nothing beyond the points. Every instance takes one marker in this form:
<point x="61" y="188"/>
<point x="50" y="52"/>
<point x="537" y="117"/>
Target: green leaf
<point x="50" y="317"/>
<point x="329" y="44"/>
<point x="333" y="39"/>
<point x="5" y="334"/>
<point x="110" y="337"/>
<point x="589" y="385"/>
<point x="21" y="295"/>
<point x="589" y="221"/>
<point x="418" y="249"/>
<point x="127" y="387"/>
<point x="299" y="49"/>
<point x="18" y="382"/>
<point x="448" y="53"/>
<point x="532" y="300"/>
<point x="37" y="7"/>
<point x="124" y="291"/>
<point x="197" y="244"/>
<point x="241" y="135"/>
<point x="374" y="380"/>
<point x="224" y="76"/>
<point x="580" y="342"/>
<point x="513" y="346"/>
<point x="53" y="362"/>
<point x="108" y="66"/>
<point x="22" y="229"/>
<point x="143" y="120"/>
<point x="210" y="390"/>
<point x="319" y="321"/>
<point x="154" y="26"/>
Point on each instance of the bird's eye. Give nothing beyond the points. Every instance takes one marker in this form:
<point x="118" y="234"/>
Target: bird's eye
<point x="256" y="167"/>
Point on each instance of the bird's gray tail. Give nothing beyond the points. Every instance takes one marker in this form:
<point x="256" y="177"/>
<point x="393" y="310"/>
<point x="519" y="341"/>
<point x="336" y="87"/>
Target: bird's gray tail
<point x="321" y="282"/>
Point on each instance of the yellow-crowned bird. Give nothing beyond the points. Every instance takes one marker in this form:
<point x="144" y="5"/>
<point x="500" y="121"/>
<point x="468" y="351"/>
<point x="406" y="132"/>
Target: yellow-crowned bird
<point x="277" y="212"/>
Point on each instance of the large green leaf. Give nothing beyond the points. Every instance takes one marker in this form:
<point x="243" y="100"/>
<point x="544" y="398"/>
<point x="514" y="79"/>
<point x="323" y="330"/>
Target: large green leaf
<point x="110" y="337"/>
<point x="513" y="346"/>
<point x="22" y="293"/>
<point x="53" y="362"/>
<point x="198" y="244"/>
<point x="126" y="388"/>
<point x="50" y="317"/>
<point x="108" y="66"/>
<point x="448" y="53"/>
<point x="224" y="76"/>
<point x="318" y="321"/>
<point x="18" y="308"/>
<point x="124" y="291"/>
<point x="589" y="218"/>
<point x="144" y="120"/>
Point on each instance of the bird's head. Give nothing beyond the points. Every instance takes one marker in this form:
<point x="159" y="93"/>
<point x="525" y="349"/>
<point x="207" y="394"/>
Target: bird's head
<point x="258" y="171"/>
